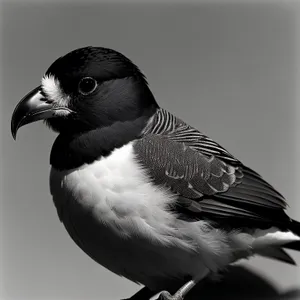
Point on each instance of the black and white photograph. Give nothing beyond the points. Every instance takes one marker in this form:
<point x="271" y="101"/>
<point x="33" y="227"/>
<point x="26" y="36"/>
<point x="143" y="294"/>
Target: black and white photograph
<point x="149" y="150"/>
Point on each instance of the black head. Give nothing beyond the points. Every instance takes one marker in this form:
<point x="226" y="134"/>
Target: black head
<point x="100" y="85"/>
<point x="88" y="88"/>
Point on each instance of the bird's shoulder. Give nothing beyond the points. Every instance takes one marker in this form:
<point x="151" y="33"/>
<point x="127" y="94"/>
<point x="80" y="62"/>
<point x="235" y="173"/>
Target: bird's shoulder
<point x="183" y="158"/>
<point x="165" y="125"/>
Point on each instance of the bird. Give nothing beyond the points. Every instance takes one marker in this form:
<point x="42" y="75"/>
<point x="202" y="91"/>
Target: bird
<point x="140" y="191"/>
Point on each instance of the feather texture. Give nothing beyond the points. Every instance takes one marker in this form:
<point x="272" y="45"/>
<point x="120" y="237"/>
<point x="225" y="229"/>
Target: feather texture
<point x="208" y="180"/>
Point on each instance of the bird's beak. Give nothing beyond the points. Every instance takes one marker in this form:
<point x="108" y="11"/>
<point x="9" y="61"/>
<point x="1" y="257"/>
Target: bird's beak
<point x="31" y="108"/>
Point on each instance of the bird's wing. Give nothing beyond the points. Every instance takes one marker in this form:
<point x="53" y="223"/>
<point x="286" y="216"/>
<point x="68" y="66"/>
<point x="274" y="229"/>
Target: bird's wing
<point x="207" y="179"/>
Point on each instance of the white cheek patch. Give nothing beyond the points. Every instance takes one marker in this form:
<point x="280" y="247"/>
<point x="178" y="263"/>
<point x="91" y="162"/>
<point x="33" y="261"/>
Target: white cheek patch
<point x="52" y="89"/>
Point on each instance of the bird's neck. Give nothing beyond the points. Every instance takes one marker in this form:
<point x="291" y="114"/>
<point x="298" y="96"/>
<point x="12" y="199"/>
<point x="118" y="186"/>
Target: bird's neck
<point x="72" y="151"/>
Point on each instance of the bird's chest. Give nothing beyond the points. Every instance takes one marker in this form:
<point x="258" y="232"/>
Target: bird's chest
<point x="112" y="211"/>
<point x="110" y="189"/>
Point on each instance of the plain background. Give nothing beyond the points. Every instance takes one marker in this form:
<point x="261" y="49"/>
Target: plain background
<point x="230" y="69"/>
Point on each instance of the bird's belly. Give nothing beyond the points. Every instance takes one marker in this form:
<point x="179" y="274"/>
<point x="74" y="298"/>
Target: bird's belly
<point x="128" y="254"/>
<point x="113" y="212"/>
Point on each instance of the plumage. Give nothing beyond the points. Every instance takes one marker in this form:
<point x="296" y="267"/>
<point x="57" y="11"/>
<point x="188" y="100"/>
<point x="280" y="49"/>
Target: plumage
<point x="139" y="190"/>
<point x="277" y="254"/>
<point x="111" y="202"/>
<point x="172" y="153"/>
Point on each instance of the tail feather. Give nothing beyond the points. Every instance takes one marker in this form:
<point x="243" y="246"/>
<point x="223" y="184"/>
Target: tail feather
<point x="277" y="254"/>
<point x="273" y="237"/>
<point x="295" y="227"/>
<point x="292" y="245"/>
<point x="270" y="243"/>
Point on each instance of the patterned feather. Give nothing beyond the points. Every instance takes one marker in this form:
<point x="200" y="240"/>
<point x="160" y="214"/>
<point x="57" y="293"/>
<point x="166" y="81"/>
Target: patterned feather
<point x="208" y="180"/>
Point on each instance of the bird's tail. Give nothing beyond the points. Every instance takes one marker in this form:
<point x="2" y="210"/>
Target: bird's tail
<point x="277" y="253"/>
<point x="295" y="228"/>
<point x="273" y="244"/>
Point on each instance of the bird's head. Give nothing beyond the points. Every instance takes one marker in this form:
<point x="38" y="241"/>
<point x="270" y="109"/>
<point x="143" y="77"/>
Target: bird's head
<point x="86" y="89"/>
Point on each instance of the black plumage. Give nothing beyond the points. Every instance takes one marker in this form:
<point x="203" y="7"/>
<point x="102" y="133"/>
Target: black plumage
<point x="121" y="95"/>
<point x="209" y="181"/>
<point x="72" y="151"/>
<point x="110" y="117"/>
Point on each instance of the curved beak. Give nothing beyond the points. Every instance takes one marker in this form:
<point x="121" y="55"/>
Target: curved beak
<point x="31" y="108"/>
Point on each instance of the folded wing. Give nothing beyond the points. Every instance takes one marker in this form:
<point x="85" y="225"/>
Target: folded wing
<point x="208" y="180"/>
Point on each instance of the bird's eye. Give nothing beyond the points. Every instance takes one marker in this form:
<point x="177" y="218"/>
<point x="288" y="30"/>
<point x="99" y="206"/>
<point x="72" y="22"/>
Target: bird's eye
<point x="87" y="85"/>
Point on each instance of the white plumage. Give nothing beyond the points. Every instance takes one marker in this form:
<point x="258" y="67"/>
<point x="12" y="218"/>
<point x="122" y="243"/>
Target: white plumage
<point x="51" y="87"/>
<point x="117" y="216"/>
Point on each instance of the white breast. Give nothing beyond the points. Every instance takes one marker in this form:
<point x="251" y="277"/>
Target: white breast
<point x="113" y="188"/>
<point x="119" y="218"/>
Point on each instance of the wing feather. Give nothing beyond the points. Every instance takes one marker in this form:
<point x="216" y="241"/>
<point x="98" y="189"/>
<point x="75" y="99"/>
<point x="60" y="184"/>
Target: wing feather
<point x="207" y="178"/>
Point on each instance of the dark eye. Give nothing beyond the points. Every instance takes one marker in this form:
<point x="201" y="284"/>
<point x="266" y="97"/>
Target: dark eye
<point x="87" y="85"/>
